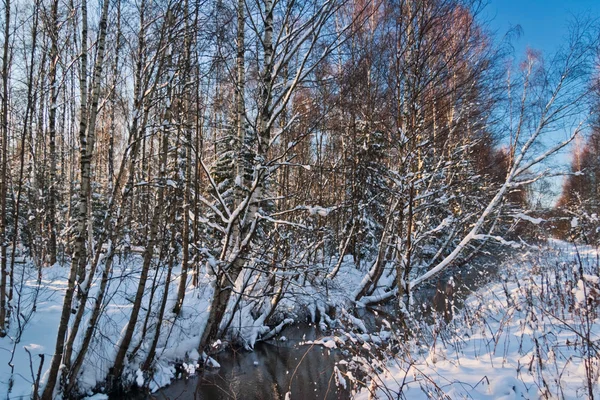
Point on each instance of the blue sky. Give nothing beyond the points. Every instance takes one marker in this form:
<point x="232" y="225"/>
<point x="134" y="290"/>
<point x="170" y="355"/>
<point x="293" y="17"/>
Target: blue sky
<point x="544" y="25"/>
<point x="544" y="22"/>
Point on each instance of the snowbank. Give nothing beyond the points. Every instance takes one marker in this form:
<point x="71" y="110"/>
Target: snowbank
<point x="533" y="335"/>
<point x="41" y="306"/>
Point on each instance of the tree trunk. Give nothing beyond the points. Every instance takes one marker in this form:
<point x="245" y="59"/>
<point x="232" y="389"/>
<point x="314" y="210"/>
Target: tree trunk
<point x="230" y="270"/>
<point x="87" y="138"/>
<point x="51" y="211"/>
<point x="185" y="240"/>
<point x="26" y="122"/>
<point x="119" y="363"/>
<point x="3" y="174"/>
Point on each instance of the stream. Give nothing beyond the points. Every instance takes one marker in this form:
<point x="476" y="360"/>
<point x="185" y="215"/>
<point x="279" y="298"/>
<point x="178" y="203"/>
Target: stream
<point x="279" y="366"/>
<point x="269" y="372"/>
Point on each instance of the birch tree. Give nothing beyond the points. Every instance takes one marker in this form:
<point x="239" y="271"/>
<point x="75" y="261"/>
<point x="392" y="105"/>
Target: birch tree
<point x="4" y="273"/>
<point x="87" y="140"/>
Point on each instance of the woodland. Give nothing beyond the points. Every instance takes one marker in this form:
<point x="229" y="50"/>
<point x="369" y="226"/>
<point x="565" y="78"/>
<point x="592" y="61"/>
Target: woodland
<point x="182" y="177"/>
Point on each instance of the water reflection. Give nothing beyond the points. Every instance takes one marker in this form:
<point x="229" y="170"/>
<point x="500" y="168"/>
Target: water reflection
<point x="273" y="369"/>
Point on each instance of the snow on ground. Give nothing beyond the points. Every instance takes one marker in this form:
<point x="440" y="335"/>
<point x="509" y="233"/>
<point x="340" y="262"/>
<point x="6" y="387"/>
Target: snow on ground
<point x="179" y="336"/>
<point x="531" y="336"/>
<point x="178" y="341"/>
<point x="519" y="338"/>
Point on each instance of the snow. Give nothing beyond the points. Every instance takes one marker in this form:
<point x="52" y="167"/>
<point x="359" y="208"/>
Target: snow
<point x="97" y="396"/>
<point x="178" y="343"/>
<point x="339" y="378"/>
<point x="574" y="222"/>
<point x="487" y="352"/>
<point x="318" y="210"/>
<point x="526" y="217"/>
<point x="517" y="339"/>
<point x="179" y="337"/>
<point x="327" y="342"/>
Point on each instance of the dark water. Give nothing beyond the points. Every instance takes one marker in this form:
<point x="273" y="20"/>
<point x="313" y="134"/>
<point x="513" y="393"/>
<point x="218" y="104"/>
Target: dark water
<point x="269" y="372"/>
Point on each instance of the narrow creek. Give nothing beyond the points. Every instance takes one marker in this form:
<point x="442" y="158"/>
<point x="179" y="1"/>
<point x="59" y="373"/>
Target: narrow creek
<point x="269" y="372"/>
<point x="278" y="366"/>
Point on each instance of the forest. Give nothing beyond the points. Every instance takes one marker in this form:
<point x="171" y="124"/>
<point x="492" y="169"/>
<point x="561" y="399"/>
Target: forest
<point x="179" y="178"/>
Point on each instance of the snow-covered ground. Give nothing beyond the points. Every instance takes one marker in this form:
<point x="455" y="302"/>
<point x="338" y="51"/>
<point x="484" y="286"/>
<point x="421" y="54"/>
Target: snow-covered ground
<point x="179" y="336"/>
<point x="41" y="305"/>
<point x="528" y="334"/>
<point x="532" y="336"/>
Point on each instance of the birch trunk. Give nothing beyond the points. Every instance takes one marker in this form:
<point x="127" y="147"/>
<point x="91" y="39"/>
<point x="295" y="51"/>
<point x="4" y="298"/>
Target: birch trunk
<point x="86" y="182"/>
<point x="87" y="138"/>
<point x="185" y="245"/>
<point x="26" y="122"/>
<point x="119" y="363"/>
<point x="51" y="211"/>
<point x="4" y="175"/>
